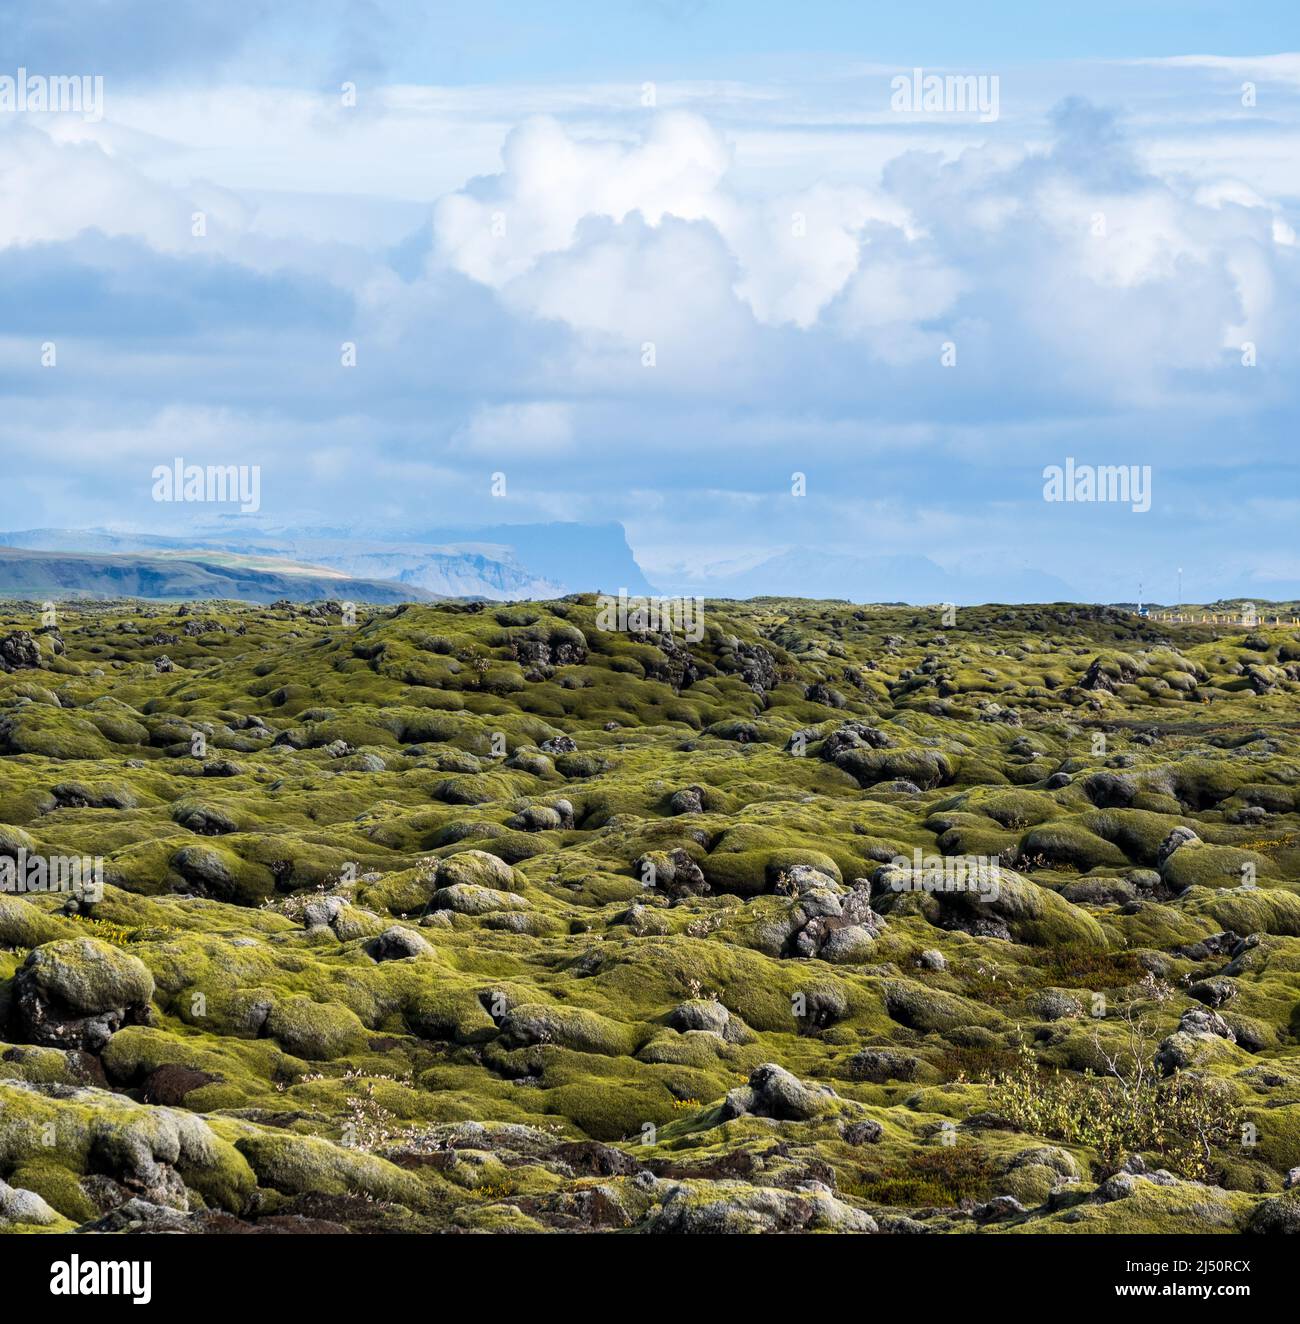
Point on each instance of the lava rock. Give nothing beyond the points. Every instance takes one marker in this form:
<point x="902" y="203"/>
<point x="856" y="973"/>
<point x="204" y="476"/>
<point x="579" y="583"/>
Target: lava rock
<point x="78" y="992"/>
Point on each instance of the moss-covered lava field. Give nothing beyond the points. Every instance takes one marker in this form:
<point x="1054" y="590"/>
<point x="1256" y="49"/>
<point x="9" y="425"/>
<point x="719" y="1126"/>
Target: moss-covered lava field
<point x="482" y="918"/>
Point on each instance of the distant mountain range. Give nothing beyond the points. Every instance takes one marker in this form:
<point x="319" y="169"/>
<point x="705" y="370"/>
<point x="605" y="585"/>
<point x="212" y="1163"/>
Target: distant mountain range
<point x="259" y="562"/>
<point x="499" y="562"/>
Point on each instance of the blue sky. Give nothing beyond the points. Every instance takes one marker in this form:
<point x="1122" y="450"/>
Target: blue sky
<point x="524" y="197"/>
<point x="495" y="40"/>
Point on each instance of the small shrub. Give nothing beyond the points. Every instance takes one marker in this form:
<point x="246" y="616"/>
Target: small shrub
<point x="1181" y="1119"/>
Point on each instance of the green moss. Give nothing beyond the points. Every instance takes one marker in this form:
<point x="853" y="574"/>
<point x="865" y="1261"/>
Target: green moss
<point x="247" y="887"/>
<point x="295" y="1165"/>
<point x="88" y="976"/>
<point x="58" y="1187"/>
<point x="315" y="1031"/>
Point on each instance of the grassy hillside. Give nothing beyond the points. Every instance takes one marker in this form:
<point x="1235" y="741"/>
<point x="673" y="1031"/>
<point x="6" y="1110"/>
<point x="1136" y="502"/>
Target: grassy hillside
<point x="488" y="918"/>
